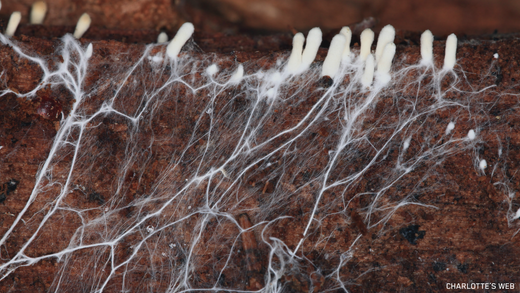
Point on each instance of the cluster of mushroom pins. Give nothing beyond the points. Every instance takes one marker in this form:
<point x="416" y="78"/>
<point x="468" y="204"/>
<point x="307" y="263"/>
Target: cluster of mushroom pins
<point x="300" y="58"/>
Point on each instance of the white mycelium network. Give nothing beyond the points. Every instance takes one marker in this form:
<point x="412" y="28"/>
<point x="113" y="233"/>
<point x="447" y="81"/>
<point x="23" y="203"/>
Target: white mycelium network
<point x="192" y="143"/>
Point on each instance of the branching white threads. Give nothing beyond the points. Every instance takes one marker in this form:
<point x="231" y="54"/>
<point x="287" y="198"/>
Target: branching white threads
<point x="162" y="38"/>
<point x="237" y="76"/>
<point x="311" y="48"/>
<point x="471" y="134"/>
<point x="385" y="63"/>
<point x="82" y="26"/>
<point x="235" y="136"/>
<point x="368" y="74"/>
<point x="386" y="36"/>
<point x="426" y="47"/>
<point x="14" y="20"/>
<point x="182" y="36"/>
<point x="295" y="60"/>
<point x="450" y="127"/>
<point x="367" y="37"/>
<point x="450" y="57"/>
<point x="212" y="69"/>
<point x="347" y="33"/>
<point x="482" y="165"/>
<point x="38" y="11"/>
<point x="334" y="56"/>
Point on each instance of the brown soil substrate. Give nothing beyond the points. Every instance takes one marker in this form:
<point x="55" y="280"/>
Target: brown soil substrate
<point x="466" y="238"/>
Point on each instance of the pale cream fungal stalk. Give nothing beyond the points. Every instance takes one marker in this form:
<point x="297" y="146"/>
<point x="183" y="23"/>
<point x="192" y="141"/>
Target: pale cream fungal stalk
<point x="89" y="51"/>
<point x="347" y="33"/>
<point x="386" y="36"/>
<point x="427" y="47"/>
<point x="14" y="20"/>
<point x="162" y="38"/>
<point x="385" y="62"/>
<point x="311" y="47"/>
<point x="368" y="74"/>
<point x="82" y="26"/>
<point x="367" y="37"/>
<point x="450" y="56"/>
<point x="38" y="11"/>
<point x="182" y="36"/>
<point x="334" y="56"/>
<point x="295" y="60"/>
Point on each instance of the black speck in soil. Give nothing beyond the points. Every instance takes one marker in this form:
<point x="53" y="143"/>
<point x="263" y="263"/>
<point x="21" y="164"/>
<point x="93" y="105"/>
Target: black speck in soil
<point x="412" y="233"/>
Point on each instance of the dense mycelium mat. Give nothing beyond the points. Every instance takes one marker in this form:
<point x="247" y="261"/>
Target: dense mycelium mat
<point x="197" y="173"/>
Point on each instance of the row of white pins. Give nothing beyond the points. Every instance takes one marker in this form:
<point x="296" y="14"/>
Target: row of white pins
<point x="379" y="63"/>
<point x="300" y="59"/>
<point x="38" y="12"/>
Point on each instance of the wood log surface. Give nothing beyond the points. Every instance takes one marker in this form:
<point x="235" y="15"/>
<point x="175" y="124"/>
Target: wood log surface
<point x="468" y="237"/>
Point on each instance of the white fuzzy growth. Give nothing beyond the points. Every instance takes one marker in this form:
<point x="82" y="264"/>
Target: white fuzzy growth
<point x="14" y="20"/>
<point x="295" y="60"/>
<point x="212" y="69"/>
<point x="82" y="26"/>
<point x="517" y="215"/>
<point x="88" y="52"/>
<point x="162" y="38"/>
<point x="471" y="134"/>
<point x="482" y="165"/>
<point x="495" y="55"/>
<point x="406" y="144"/>
<point x="347" y="33"/>
<point x="311" y="47"/>
<point x="368" y="74"/>
<point x="450" y="56"/>
<point x="427" y="47"/>
<point x="386" y="36"/>
<point x="367" y="37"/>
<point x="334" y="56"/>
<point x="156" y="59"/>
<point x="385" y="63"/>
<point x="38" y="11"/>
<point x="450" y="127"/>
<point x="237" y="75"/>
<point x="182" y="36"/>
